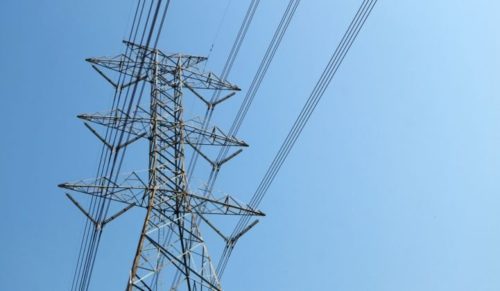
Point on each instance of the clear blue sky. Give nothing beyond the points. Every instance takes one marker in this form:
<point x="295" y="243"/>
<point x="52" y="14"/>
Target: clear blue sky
<point x="394" y="184"/>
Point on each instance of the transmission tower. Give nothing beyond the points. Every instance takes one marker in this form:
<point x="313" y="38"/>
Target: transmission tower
<point x="170" y="244"/>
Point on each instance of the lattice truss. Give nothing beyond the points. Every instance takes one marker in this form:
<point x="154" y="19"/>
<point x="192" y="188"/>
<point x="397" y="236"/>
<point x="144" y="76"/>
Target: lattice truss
<point x="171" y="241"/>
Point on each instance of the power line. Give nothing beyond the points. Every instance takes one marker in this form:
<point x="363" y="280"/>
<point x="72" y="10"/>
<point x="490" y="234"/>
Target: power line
<point x="99" y="206"/>
<point x="235" y="49"/>
<point x="251" y="93"/>
<point x="104" y="152"/>
<point x="171" y="228"/>
<point x="255" y="84"/>
<point x="306" y="112"/>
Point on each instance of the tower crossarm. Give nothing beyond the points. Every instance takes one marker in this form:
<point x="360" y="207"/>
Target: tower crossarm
<point x="164" y="66"/>
<point x="165" y="200"/>
<point x="131" y="189"/>
<point x="140" y="124"/>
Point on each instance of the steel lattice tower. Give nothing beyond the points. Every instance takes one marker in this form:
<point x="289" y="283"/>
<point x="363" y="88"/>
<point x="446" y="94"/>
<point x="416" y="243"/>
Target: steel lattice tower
<point x="170" y="246"/>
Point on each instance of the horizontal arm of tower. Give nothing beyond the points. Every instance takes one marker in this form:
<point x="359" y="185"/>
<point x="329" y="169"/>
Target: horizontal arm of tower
<point x="214" y="136"/>
<point x="120" y="63"/>
<point x="134" y="124"/>
<point x="127" y="195"/>
<point x="140" y="123"/>
<point x="130" y="190"/>
<point x="142" y="62"/>
<point x="166" y="199"/>
<point x="206" y="81"/>
<point x="200" y="204"/>
<point x="224" y="205"/>
<point x="186" y="61"/>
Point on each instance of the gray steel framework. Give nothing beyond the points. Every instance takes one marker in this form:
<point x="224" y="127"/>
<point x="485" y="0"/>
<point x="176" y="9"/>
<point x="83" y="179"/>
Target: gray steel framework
<point x="170" y="242"/>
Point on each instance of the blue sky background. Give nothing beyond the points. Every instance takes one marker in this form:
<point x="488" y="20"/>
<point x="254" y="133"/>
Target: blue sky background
<point x="393" y="185"/>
